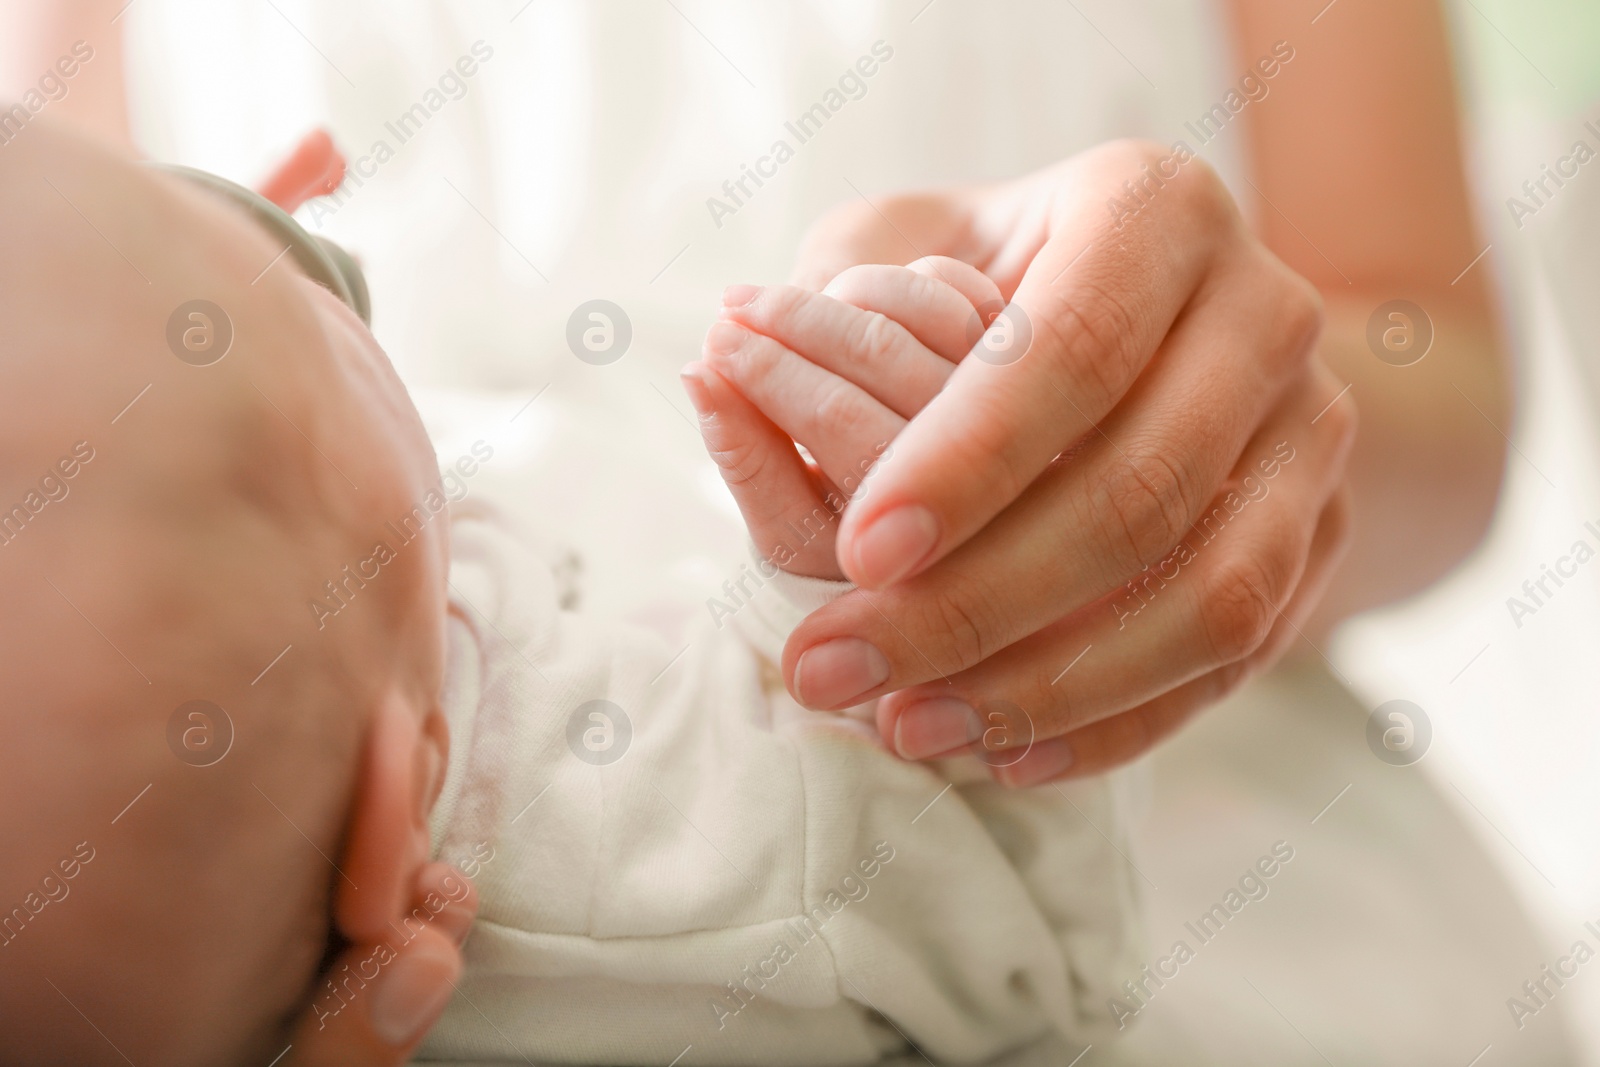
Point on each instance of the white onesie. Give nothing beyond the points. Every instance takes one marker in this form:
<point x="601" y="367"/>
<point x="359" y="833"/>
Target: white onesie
<point x="697" y="867"/>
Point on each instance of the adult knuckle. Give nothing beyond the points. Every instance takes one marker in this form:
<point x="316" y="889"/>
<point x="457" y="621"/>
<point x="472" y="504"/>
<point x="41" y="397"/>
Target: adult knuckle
<point x="1304" y="314"/>
<point x="1055" y="712"/>
<point x="1096" y="334"/>
<point x="1237" y="608"/>
<point x="1294" y="316"/>
<point x="961" y="623"/>
<point x="1205" y="197"/>
<point x="1191" y="189"/>
<point x="1146" y="500"/>
<point x="1107" y="322"/>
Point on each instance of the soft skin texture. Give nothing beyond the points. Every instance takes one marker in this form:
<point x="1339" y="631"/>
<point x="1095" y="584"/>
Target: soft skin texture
<point x="880" y="342"/>
<point x="1172" y="355"/>
<point x="178" y="566"/>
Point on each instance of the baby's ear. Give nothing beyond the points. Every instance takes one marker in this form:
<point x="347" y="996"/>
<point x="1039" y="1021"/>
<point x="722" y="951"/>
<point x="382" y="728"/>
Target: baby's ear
<point x="387" y="841"/>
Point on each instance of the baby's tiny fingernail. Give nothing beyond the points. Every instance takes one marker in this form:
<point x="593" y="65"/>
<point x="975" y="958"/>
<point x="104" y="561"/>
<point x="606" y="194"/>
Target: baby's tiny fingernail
<point x="725" y="338"/>
<point x="738" y="296"/>
<point x="699" y="395"/>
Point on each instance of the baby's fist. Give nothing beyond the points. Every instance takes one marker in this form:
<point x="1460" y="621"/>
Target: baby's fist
<point x="838" y="373"/>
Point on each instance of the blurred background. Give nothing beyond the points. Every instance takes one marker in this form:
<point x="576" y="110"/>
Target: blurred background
<point x="1516" y="709"/>
<point x="577" y="164"/>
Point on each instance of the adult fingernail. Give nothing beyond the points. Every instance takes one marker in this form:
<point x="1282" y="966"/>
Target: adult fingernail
<point x="724" y="339"/>
<point x="738" y="296"/>
<point x="892" y="546"/>
<point x="834" y="673"/>
<point x="410" y="993"/>
<point x="699" y="394"/>
<point x="1044" y="761"/>
<point x="934" y="727"/>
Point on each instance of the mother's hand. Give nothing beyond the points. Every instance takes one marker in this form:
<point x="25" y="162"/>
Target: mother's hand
<point x="1087" y="544"/>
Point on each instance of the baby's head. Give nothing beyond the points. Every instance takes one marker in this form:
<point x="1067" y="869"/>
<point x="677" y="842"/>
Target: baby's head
<point x="167" y="893"/>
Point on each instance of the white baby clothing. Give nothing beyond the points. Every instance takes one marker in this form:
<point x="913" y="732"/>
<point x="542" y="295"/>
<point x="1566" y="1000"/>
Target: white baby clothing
<point x="676" y="860"/>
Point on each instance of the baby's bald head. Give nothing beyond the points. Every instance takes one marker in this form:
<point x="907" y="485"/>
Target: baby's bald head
<point x="167" y="552"/>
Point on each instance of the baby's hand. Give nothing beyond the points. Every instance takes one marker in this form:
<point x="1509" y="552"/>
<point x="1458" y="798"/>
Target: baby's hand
<point x="839" y="373"/>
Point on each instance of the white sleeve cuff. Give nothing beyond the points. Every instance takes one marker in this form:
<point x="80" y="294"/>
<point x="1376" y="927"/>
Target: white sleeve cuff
<point x="780" y="604"/>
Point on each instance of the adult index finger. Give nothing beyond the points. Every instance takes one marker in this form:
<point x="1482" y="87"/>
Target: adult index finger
<point x="1090" y="310"/>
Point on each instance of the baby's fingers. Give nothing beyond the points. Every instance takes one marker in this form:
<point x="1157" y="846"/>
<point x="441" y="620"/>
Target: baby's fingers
<point x="885" y="358"/>
<point x="844" y="428"/>
<point x="945" y="303"/>
<point x="777" y="493"/>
